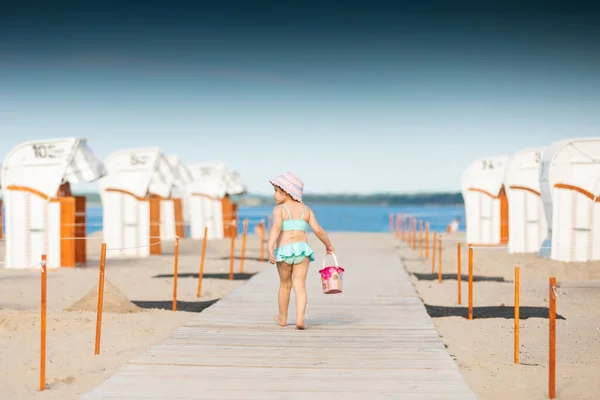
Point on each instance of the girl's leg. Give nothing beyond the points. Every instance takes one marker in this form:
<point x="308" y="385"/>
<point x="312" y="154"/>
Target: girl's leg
<point x="299" y="272"/>
<point x="285" y="287"/>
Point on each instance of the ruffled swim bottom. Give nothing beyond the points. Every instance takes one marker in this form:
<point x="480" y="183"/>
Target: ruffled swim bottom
<point x="294" y="253"/>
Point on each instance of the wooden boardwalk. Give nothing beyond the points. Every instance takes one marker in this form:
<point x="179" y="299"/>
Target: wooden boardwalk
<point x="373" y="341"/>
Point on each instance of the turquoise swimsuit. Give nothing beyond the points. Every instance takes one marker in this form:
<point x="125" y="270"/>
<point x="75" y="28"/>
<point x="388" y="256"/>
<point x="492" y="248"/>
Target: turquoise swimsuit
<point x="294" y="253"/>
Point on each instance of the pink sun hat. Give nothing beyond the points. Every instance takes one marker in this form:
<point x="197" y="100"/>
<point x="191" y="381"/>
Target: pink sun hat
<point x="290" y="184"/>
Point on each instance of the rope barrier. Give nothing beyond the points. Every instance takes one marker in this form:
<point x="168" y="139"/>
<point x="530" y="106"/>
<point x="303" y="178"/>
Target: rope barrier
<point x="554" y="289"/>
<point x="407" y="232"/>
<point x="145" y="245"/>
<point x="39" y="266"/>
<point x="187" y="224"/>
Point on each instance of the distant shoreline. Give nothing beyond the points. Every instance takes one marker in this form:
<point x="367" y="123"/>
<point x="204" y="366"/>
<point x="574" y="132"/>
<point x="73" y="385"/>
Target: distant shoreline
<point x="382" y="199"/>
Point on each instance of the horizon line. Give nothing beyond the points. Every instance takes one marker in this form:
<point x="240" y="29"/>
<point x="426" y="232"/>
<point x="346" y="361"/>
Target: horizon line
<point x="326" y="193"/>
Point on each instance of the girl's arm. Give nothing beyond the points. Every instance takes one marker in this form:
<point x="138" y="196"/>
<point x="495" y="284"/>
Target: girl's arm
<point x="319" y="232"/>
<point x="274" y="234"/>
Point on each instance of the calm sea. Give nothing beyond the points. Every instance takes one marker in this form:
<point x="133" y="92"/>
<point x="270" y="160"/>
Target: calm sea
<point x="337" y="218"/>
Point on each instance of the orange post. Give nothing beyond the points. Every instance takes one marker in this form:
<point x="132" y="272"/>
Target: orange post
<point x="242" y="255"/>
<point x="201" y="273"/>
<point x="458" y="276"/>
<point x="516" y="315"/>
<point x="433" y="252"/>
<point x="427" y="240"/>
<point x="470" y="281"/>
<point x="414" y="234"/>
<point x="552" y="337"/>
<point x="420" y="238"/>
<point x="232" y="253"/>
<point x="407" y="228"/>
<point x="43" y="280"/>
<point x="440" y="259"/>
<point x="175" y="272"/>
<point x="401" y="223"/>
<point x="403" y="231"/>
<point x="397" y="225"/>
<point x="100" y="299"/>
<point x="262" y="240"/>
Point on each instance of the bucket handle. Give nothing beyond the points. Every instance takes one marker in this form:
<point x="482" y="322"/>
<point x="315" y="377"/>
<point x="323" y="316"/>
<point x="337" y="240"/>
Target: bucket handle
<point x="334" y="258"/>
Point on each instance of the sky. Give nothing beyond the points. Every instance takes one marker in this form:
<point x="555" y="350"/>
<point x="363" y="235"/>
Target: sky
<point x="360" y="97"/>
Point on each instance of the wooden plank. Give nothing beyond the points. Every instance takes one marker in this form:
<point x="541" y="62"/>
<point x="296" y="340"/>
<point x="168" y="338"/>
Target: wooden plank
<point x="1" y="225"/>
<point x="375" y="340"/>
<point x="155" y="245"/>
<point x="80" y="231"/>
<point x="179" y="222"/>
<point x="67" y="231"/>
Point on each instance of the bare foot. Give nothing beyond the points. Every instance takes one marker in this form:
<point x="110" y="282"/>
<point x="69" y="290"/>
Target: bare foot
<point x="280" y="320"/>
<point x="300" y="325"/>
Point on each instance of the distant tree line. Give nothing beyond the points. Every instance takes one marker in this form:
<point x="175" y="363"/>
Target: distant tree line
<point x="347" y="199"/>
<point x="367" y="199"/>
<point x="386" y="199"/>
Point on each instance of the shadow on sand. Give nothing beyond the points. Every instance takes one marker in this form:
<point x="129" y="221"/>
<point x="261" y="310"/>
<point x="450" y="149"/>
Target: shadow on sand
<point x="464" y="278"/>
<point x="505" y="312"/>
<point x="189" y="306"/>
<point x="225" y="275"/>
<point x="246" y="258"/>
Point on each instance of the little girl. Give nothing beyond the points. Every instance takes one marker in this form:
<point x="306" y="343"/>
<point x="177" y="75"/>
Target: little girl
<point x="291" y="219"/>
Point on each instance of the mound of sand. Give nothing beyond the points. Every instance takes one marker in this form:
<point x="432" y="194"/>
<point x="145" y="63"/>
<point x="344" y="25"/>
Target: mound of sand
<point x="114" y="301"/>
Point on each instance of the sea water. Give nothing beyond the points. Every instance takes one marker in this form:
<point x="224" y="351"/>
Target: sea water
<point x="337" y="218"/>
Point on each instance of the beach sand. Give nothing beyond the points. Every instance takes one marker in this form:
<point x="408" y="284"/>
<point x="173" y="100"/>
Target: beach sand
<point x="137" y="305"/>
<point x="483" y="347"/>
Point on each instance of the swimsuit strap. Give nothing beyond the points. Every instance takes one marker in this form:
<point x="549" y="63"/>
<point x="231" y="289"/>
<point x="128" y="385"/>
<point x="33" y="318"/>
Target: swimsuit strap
<point x="303" y="211"/>
<point x="288" y="211"/>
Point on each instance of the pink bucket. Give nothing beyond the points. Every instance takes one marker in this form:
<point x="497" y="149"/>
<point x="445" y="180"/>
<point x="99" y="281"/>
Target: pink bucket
<point x="331" y="277"/>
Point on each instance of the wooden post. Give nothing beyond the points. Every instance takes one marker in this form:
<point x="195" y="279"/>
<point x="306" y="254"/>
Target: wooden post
<point x="552" y="337"/>
<point x="262" y="240"/>
<point x="1" y="234"/>
<point x="201" y="273"/>
<point x="440" y="259"/>
<point x="232" y="253"/>
<point x="397" y="225"/>
<point x="427" y="240"/>
<point x="243" y="253"/>
<point x="401" y="227"/>
<point x="154" y="240"/>
<point x="458" y="273"/>
<point x="414" y="235"/>
<point x="404" y="228"/>
<point x="433" y="253"/>
<point x="470" y="281"/>
<point x="391" y="222"/>
<point x="175" y="272"/>
<point x="43" y="281"/>
<point x="410" y="232"/>
<point x="100" y="299"/>
<point x="516" y="341"/>
<point x="420" y="238"/>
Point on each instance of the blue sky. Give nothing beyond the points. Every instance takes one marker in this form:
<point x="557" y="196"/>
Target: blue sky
<point x="388" y="101"/>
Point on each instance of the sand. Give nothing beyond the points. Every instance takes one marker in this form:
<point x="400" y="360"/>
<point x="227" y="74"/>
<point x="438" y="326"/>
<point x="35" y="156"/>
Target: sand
<point x="483" y="347"/>
<point x="137" y="314"/>
<point x="138" y="300"/>
<point x="113" y="300"/>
